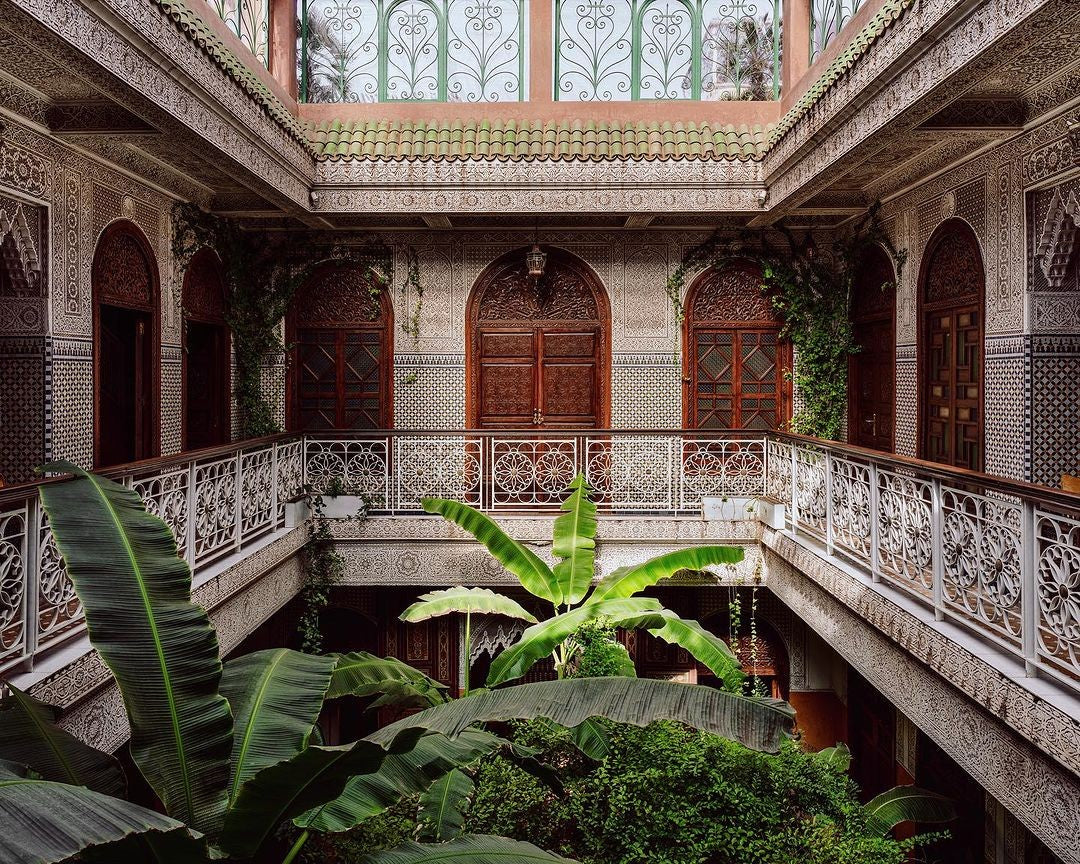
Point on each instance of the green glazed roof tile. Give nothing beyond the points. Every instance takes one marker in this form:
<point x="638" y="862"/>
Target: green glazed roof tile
<point x="191" y="24"/>
<point x="882" y="20"/>
<point x="524" y="141"/>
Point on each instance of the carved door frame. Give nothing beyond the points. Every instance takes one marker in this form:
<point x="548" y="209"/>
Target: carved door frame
<point x="206" y="304"/>
<point x="105" y="291"/>
<point x="339" y="312"/>
<point x="950" y="229"/>
<point x="762" y="318"/>
<point x="474" y="327"/>
<point x="866" y="317"/>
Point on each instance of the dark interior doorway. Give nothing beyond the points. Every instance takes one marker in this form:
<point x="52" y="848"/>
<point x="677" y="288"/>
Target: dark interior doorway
<point x="126" y="394"/>
<point x="207" y="385"/>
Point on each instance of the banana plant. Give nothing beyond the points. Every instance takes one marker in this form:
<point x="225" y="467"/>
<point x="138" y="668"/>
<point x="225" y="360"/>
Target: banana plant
<point x="229" y="748"/>
<point x="899" y="804"/>
<point x="566" y="586"/>
<point x="467" y="602"/>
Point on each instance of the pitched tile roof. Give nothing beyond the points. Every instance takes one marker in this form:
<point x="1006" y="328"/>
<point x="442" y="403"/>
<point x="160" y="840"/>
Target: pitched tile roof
<point x="191" y="24"/>
<point x="860" y="43"/>
<point x="533" y="141"/>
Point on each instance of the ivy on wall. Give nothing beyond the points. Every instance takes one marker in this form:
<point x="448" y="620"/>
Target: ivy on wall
<point x="811" y="290"/>
<point x="262" y="271"/>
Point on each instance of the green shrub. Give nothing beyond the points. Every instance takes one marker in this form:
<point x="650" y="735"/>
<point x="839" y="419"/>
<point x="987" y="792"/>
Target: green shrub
<point x="671" y="795"/>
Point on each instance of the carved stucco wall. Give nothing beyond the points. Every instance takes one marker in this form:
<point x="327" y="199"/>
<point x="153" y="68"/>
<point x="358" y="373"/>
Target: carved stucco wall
<point x="429" y="376"/>
<point x="988" y="192"/>
<point x="82" y="197"/>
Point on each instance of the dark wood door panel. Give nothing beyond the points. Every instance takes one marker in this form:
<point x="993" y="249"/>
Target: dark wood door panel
<point x="341" y="380"/>
<point x="206" y="398"/>
<point x="873" y="388"/>
<point x="736" y="379"/>
<point x="952" y="422"/>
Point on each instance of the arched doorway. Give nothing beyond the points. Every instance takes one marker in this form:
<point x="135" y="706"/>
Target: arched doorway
<point x="734" y="359"/>
<point x="207" y="358"/>
<point x="951" y="290"/>
<point x="124" y="283"/>
<point x="341" y="329"/>
<point x="872" y="371"/>
<point x="539" y="349"/>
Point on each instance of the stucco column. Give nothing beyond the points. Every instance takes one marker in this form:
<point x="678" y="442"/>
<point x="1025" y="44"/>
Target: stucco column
<point x="796" y="51"/>
<point x="541" y="34"/>
<point x="283" y="15"/>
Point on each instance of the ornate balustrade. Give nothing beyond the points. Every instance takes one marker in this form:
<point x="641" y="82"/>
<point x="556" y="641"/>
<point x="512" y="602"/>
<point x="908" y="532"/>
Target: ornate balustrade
<point x="216" y="502"/>
<point x="631" y="472"/>
<point x="1000" y="558"/>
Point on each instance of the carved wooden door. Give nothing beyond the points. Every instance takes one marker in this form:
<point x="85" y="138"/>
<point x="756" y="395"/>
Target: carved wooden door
<point x="207" y="359"/>
<point x="872" y="377"/>
<point x="952" y="348"/>
<point x="340" y="330"/>
<point x="126" y="395"/>
<point x="538" y="349"/>
<point x="206" y="385"/>
<point x="735" y="364"/>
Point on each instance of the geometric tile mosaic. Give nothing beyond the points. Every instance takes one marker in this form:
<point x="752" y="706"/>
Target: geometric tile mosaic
<point x="429" y="391"/>
<point x="646" y="391"/>
<point x="1056" y="412"/>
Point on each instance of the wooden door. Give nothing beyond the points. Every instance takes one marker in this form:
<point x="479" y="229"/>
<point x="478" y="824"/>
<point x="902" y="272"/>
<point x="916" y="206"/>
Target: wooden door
<point x="935" y="770"/>
<point x="340" y="326"/>
<point x="872" y="728"/>
<point x="538" y="349"/>
<point x="207" y="354"/>
<point x="126" y="389"/>
<point x="871" y="372"/>
<point x="339" y="378"/>
<point x="735" y="360"/>
<point x="125" y="424"/>
<point x="951" y="336"/>
<point x="206" y="387"/>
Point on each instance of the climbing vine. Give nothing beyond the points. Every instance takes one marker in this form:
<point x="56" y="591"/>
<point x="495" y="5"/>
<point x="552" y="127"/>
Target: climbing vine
<point x="811" y="290"/>
<point x="262" y="271"/>
<point x="410" y="325"/>
<point x="323" y="566"/>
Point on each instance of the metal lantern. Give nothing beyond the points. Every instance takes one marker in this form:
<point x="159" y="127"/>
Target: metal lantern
<point x="535" y="260"/>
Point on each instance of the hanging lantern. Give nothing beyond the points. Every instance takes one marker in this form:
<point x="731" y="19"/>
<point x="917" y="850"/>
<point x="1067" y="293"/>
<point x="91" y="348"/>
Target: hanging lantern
<point x="535" y="260"/>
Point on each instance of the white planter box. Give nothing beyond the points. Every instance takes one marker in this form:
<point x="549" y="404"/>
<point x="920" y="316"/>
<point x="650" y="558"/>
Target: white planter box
<point x="297" y="512"/>
<point x="771" y="513"/>
<point x="342" y="506"/>
<point x="729" y="509"/>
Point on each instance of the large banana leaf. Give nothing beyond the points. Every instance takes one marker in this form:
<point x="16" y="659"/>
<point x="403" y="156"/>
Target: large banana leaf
<point x="703" y="646"/>
<point x="477" y="601"/>
<point x="907" y="804"/>
<point x="627" y="581"/>
<point x="29" y="735"/>
<point x="161" y="647"/>
<point x="536" y="577"/>
<point x="46" y="822"/>
<point x="573" y="540"/>
<point x="541" y="639"/>
<point x="837" y="757"/>
<point x="400" y="775"/>
<point x="311" y="778"/>
<point x="276" y="696"/>
<point x="362" y="674"/>
<point x="760" y="724"/>
<point x="470" y="849"/>
<point x="441" y="814"/>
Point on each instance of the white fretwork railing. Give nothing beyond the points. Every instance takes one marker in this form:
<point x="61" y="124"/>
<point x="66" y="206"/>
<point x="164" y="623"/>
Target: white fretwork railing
<point x="216" y="502"/>
<point x="1000" y="558"/>
<point x="644" y="472"/>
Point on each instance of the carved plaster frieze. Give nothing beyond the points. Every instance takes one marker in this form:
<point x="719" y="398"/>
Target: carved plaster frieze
<point x="1028" y="782"/>
<point x="537" y="530"/>
<point x="205" y="102"/>
<point x="1038" y="720"/>
<point x="464" y="563"/>
<point x="971" y="50"/>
